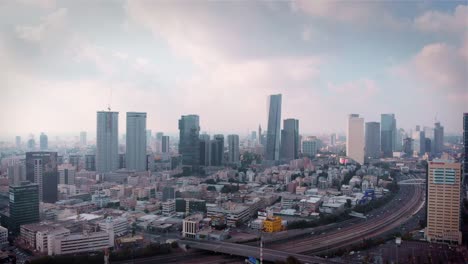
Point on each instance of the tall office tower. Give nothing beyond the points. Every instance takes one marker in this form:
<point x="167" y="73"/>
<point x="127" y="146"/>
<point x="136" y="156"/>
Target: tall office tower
<point x="205" y="150"/>
<point x="419" y="142"/>
<point x="107" y="141"/>
<point x="253" y="135"/>
<point x="388" y="134"/>
<point x="135" y="158"/>
<point x="309" y="147"/>
<point x="31" y="144"/>
<point x="372" y="140"/>
<point x="43" y="142"/>
<point x="18" y="142"/>
<point x="408" y="146"/>
<point x="159" y="135"/>
<point x="400" y="136"/>
<point x="465" y="143"/>
<point x="148" y="137"/>
<point x="16" y="173"/>
<point x="438" y="139"/>
<point x="24" y="206"/>
<point x="290" y="139"/>
<point x="355" y="138"/>
<point x="41" y="168"/>
<point x="418" y="128"/>
<point x="260" y="135"/>
<point x="217" y="150"/>
<point x="233" y="148"/>
<point x="428" y="145"/>
<point x="83" y="141"/>
<point x="443" y="202"/>
<point x="165" y="144"/>
<point x="189" y="141"/>
<point x="122" y="161"/>
<point x="90" y="162"/>
<point x="333" y="139"/>
<point x="274" y="125"/>
<point x="67" y="174"/>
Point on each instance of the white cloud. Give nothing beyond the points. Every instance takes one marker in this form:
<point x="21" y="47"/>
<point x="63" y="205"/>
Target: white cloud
<point x="50" y="26"/>
<point x="441" y="22"/>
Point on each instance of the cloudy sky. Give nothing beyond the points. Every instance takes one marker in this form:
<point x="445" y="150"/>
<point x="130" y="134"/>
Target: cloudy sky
<point x="60" y="62"/>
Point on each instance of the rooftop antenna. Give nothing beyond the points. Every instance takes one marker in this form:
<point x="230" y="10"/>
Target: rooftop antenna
<point x="110" y="99"/>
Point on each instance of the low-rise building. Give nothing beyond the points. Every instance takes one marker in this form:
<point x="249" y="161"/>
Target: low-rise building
<point x="273" y="224"/>
<point x="3" y="235"/>
<point x="78" y="243"/>
<point x="191" y="225"/>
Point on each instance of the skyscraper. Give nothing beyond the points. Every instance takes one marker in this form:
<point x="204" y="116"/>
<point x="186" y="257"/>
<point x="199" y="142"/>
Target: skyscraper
<point x="443" y="202"/>
<point x="290" y="139"/>
<point x="24" y="206"/>
<point x="372" y="140"/>
<point x="388" y="134"/>
<point x="419" y="142"/>
<point x="233" y="148"/>
<point x="41" y="168"/>
<point x="465" y="143"/>
<point x="83" y="138"/>
<point x="165" y="144"/>
<point x="148" y="137"/>
<point x="107" y="141"/>
<point x="135" y="158"/>
<point x="205" y="150"/>
<point x="43" y="142"/>
<point x="309" y="147"/>
<point x="333" y="139"/>
<point x="355" y="138"/>
<point x="18" y="142"/>
<point x="189" y="141"/>
<point x="31" y="144"/>
<point x="217" y="150"/>
<point x="438" y="139"/>
<point x="274" y="125"/>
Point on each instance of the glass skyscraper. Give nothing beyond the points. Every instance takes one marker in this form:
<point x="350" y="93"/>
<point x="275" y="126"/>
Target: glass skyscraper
<point x="274" y="126"/>
<point x="290" y="139"/>
<point x="135" y="158"/>
<point x="372" y="140"/>
<point x="233" y="147"/>
<point x="24" y="206"/>
<point x="189" y="141"/>
<point x="107" y="142"/>
<point x="41" y="168"/>
<point x="388" y="134"/>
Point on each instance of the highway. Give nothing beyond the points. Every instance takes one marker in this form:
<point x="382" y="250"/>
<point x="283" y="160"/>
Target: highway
<point x="411" y="202"/>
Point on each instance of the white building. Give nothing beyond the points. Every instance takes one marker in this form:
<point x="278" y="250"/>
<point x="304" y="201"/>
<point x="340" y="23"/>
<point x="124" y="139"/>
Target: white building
<point x="135" y="158"/>
<point x="66" y="174"/>
<point x="355" y="138"/>
<point x="191" y="225"/>
<point x="43" y="235"/>
<point x="168" y="207"/>
<point x="3" y="235"/>
<point x="77" y="243"/>
<point x="118" y="225"/>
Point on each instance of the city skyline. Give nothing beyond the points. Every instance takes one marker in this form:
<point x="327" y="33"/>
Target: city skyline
<point x="183" y="70"/>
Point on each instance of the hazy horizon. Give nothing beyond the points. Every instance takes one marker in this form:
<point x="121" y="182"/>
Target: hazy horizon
<point x="62" y="61"/>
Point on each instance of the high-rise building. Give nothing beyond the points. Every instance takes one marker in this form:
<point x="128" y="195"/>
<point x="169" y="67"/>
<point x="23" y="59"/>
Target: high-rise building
<point x="43" y="142"/>
<point x="107" y="141"/>
<point x="400" y="136"/>
<point x="18" y="142"/>
<point x="67" y="174"/>
<point x="135" y="158"/>
<point x="465" y="143"/>
<point x="159" y="135"/>
<point x="290" y="139"/>
<point x="355" y="138"/>
<point x="408" y="146"/>
<point x="90" y="162"/>
<point x="388" y="134"/>
<point x="443" y="202"/>
<point x="309" y="147"/>
<point x="333" y="139"/>
<point x="419" y="142"/>
<point x="205" y="150"/>
<point x="217" y="150"/>
<point x="428" y="145"/>
<point x="274" y="126"/>
<point x="148" y="137"/>
<point x="83" y="141"/>
<point x="41" y="168"/>
<point x="31" y="144"/>
<point x="122" y="161"/>
<point x="253" y="135"/>
<point x="233" y="148"/>
<point x="16" y="173"/>
<point x="165" y="144"/>
<point x="189" y="141"/>
<point x="24" y="206"/>
<point x="438" y="139"/>
<point x="372" y="140"/>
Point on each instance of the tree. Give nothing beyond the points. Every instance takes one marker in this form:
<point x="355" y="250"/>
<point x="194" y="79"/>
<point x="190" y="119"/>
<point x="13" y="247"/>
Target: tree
<point x="210" y="181"/>
<point x="348" y="203"/>
<point x="292" y="260"/>
<point x="211" y="188"/>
